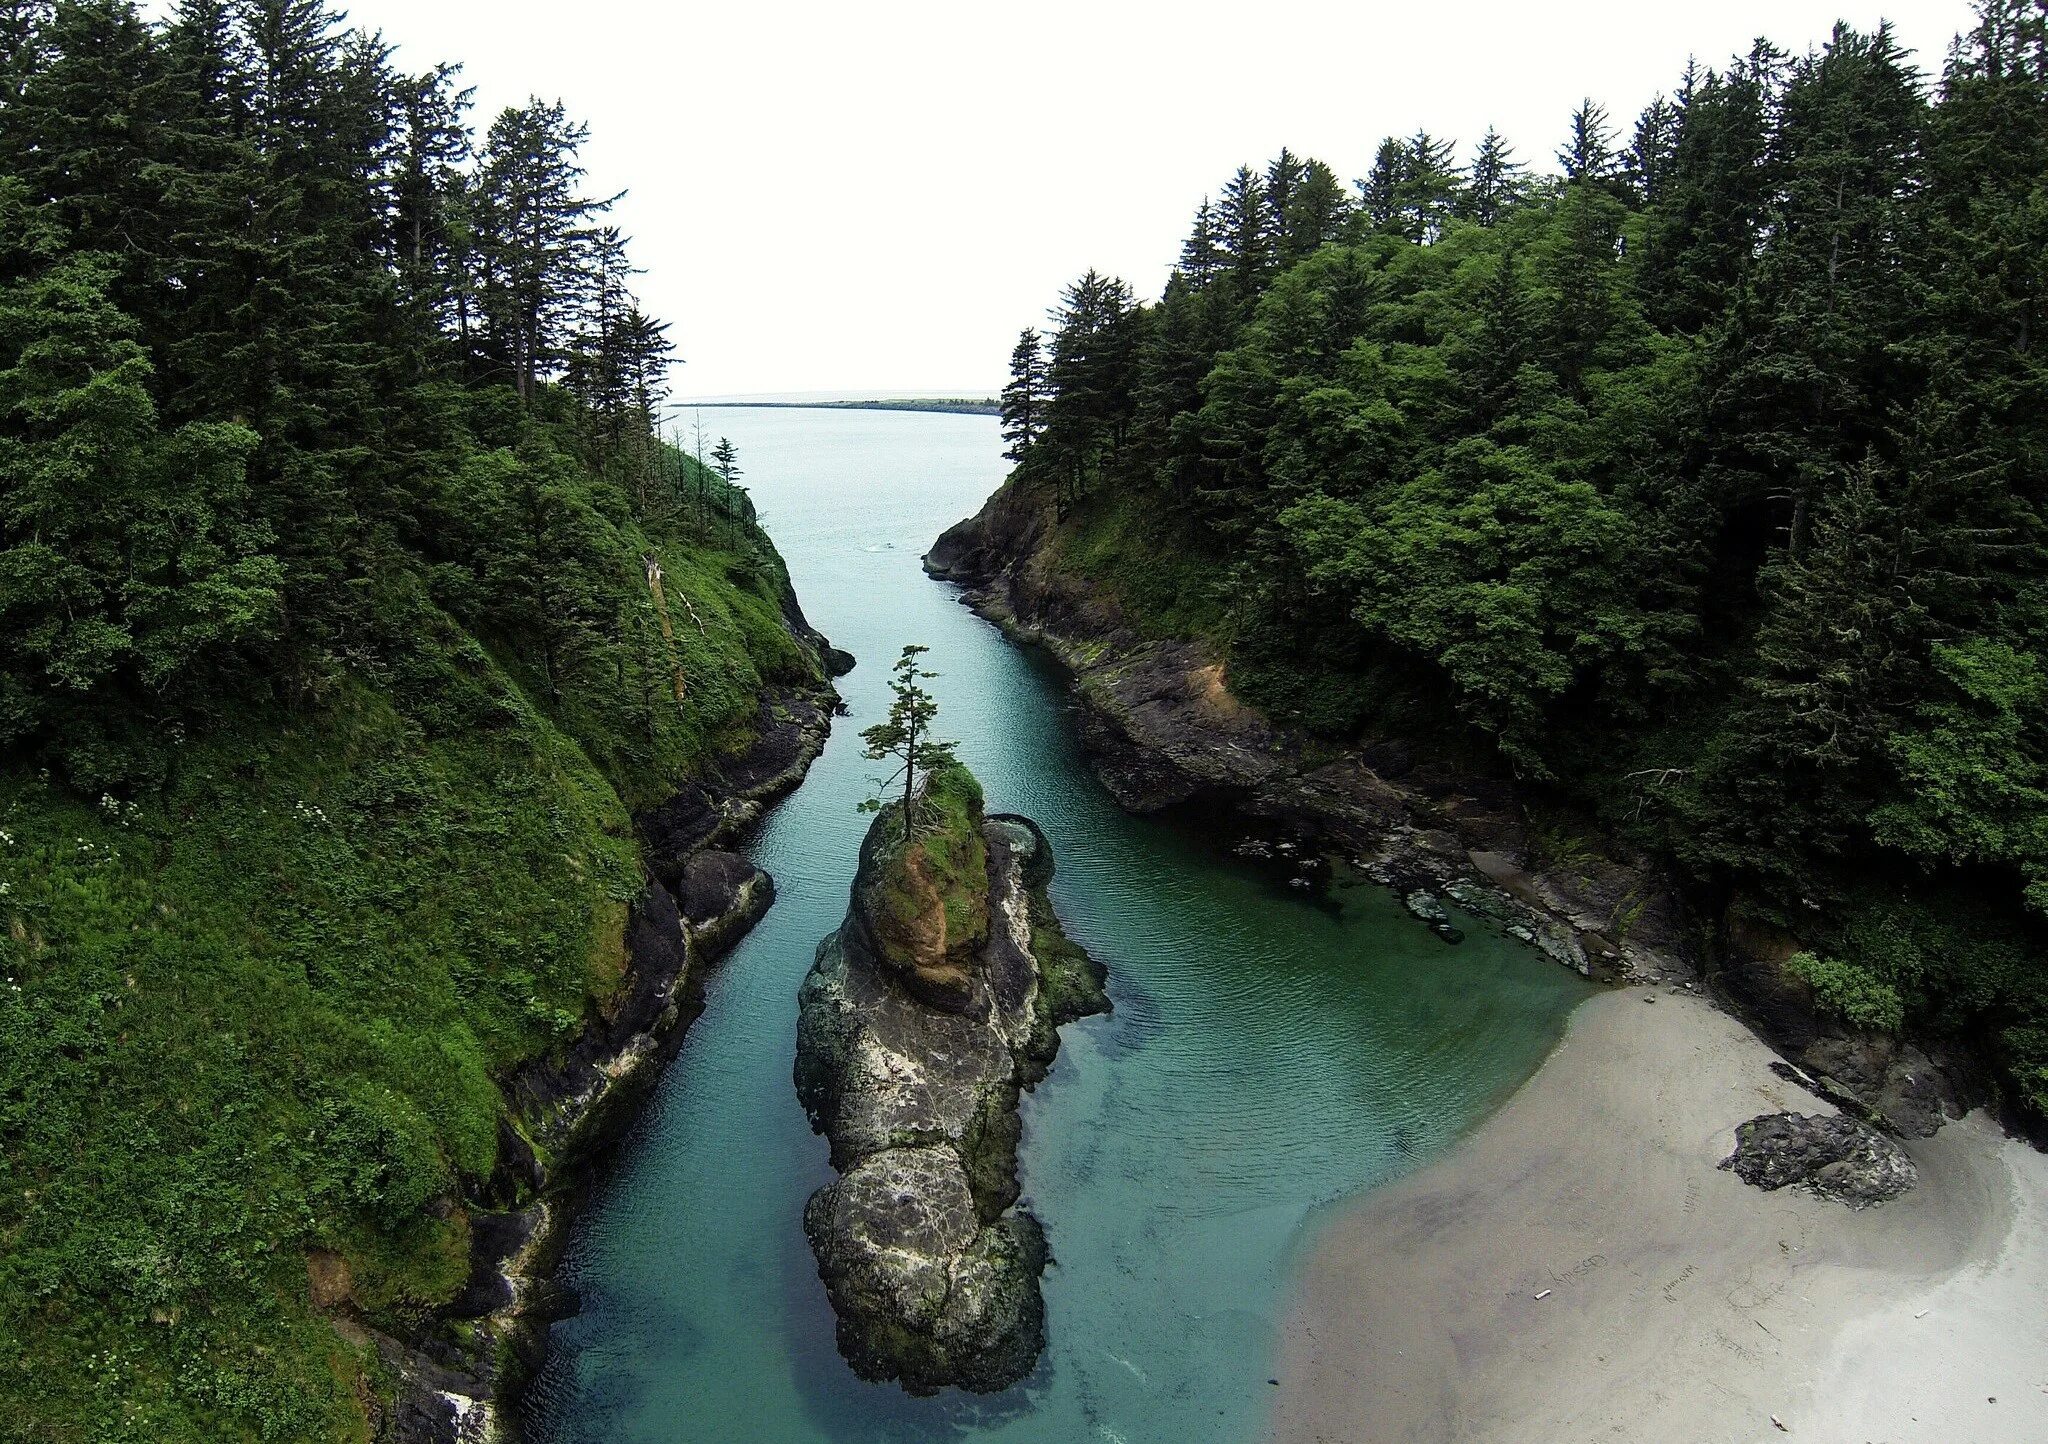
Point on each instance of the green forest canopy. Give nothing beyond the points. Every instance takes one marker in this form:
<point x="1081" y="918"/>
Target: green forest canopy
<point x="1698" y="480"/>
<point x="332" y="496"/>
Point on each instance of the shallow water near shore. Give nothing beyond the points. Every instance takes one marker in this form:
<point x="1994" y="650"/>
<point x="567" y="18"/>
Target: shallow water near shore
<point x="1270" y="1052"/>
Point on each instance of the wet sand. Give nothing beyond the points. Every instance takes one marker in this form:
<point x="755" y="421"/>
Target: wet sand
<point x="1682" y="1304"/>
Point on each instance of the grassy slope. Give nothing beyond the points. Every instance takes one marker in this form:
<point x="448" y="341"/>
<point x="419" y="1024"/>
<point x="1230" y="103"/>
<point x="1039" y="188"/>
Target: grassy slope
<point x="257" y="1018"/>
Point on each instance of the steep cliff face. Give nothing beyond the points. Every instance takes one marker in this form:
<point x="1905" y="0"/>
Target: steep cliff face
<point x="567" y="1109"/>
<point x="926" y="1013"/>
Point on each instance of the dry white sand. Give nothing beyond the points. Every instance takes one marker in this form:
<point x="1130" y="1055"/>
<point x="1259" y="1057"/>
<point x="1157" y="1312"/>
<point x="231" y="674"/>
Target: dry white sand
<point x="1683" y="1305"/>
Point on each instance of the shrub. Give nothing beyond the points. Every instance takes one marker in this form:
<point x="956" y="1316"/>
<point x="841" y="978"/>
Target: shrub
<point x="1855" y="995"/>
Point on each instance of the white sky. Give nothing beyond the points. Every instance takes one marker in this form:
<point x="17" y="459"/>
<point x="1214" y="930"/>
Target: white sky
<point x="877" y="197"/>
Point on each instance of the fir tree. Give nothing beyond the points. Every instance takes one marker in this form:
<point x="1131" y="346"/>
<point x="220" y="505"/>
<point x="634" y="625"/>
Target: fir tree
<point x="1588" y="153"/>
<point x="1494" y="182"/>
<point x="905" y="735"/>
<point x="1024" y="397"/>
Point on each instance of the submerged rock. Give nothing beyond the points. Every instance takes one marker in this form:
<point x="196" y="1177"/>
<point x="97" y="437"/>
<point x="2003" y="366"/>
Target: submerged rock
<point x="1827" y="1154"/>
<point x="932" y="1006"/>
<point x="1432" y="914"/>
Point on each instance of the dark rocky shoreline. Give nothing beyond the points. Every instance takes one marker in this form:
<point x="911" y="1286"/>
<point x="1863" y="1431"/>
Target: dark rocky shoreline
<point x="462" y="1368"/>
<point x="912" y="1065"/>
<point x="1162" y="728"/>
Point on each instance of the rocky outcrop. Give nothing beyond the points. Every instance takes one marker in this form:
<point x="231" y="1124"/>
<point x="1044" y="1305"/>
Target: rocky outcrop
<point x="918" y="1029"/>
<point x="454" y="1376"/>
<point x="1826" y="1154"/>
<point x="1162" y="728"/>
<point x="788" y="732"/>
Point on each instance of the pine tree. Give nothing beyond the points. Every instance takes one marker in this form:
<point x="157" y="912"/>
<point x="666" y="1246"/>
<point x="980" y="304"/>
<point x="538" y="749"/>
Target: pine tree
<point x="1494" y="182"/>
<point x="1202" y="256"/>
<point x="1245" y="232"/>
<point x="1713" y="196"/>
<point x="1284" y="176"/>
<point x="535" y="239"/>
<point x="1379" y="194"/>
<point x="428" y="204"/>
<point x="906" y="735"/>
<point x="1648" y="164"/>
<point x="726" y="458"/>
<point x="1502" y="343"/>
<point x="1588" y="154"/>
<point x="1819" y="345"/>
<point x="1024" y="397"/>
<point x="1090" y="376"/>
<point x="1317" y="213"/>
<point x="1427" y="192"/>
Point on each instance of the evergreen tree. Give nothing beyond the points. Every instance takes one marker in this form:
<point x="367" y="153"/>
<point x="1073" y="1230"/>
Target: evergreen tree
<point x="1817" y="342"/>
<point x="1588" y="153"/>
<point x="1648" y="165"/>
<point x="1379" y="194"/>
<point x="905" y="735"/>
<point x="1245" y="231"/>
<point x="1713" y="197"/>
<point x="1428" y="191"/>
<point x="1495" y="181"/>
<point x="535" y="239"/>
<point x="1284" y="177"/>
<point x="1317" y="213"/>
<point x="1202" y="255"/>
<point x="726" y="458"/>
<point x="1024" y="398"/>
<point x="1091" y="374"/>
<point x="429" y="222"/>
<point x="1503" y="342"/>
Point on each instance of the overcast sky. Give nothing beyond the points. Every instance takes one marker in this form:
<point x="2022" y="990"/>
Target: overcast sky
<point x="876" y="197"/>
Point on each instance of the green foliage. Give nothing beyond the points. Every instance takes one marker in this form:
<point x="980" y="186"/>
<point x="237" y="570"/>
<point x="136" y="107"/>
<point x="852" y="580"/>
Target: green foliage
<point x="125" y="558"/>
<point x="261" y="1011"/>
<point x="956" y="858"/>
<point x="1975" y="774"/>
<point x="265" y="1008"/>
<point x="1700" y="484"/>
<point x="941" y="864"/>
<point x="351" y="603"/>
<point x="1849" y="992"/>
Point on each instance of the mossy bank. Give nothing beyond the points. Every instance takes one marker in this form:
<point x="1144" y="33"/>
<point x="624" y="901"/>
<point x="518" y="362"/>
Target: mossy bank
<point x="306" y="1048"/>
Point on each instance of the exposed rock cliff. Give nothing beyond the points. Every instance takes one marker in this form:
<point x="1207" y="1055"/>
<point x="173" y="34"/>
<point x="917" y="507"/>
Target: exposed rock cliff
<point x="699" y="901"/>
<point x="929" y="1009"/>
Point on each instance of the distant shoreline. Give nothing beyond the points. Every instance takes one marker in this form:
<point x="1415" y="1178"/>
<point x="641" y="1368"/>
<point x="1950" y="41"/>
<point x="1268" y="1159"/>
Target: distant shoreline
<point x="958" y="405"/>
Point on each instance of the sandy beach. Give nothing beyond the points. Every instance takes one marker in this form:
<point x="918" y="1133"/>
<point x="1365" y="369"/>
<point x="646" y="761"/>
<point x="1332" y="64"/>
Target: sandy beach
<point x="1677" y="1303"/>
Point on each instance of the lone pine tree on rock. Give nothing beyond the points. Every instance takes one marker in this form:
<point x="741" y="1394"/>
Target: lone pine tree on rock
<point x="906" y="733"/>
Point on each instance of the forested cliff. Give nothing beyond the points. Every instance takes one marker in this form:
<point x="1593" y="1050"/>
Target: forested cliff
<point x="1696" y="482"/>
<point x="353" y="606"/>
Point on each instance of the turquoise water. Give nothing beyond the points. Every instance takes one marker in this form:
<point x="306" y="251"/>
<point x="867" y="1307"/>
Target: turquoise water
<point x="1269" y="1052"/>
